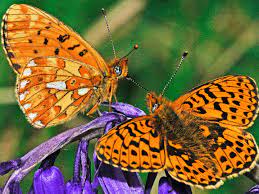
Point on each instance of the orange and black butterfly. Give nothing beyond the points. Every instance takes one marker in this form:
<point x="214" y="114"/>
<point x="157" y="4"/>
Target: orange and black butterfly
<point x="200" y="138"/>
<point x="58" y="73"/>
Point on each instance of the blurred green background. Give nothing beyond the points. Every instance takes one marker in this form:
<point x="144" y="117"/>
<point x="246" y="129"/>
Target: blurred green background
<point x="221" y="37"/>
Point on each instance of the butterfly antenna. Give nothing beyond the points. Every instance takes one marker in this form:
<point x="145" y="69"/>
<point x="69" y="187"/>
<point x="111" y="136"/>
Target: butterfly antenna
<point x="177" y="68"/>
<point x="109" y="31"/>
<point x="131" y="51"/>
<point x="136" y="83"/>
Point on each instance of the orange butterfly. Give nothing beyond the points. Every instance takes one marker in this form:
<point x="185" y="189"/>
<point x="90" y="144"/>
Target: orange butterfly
<point x="59" y="73"/>
<point x="200" y="138"/>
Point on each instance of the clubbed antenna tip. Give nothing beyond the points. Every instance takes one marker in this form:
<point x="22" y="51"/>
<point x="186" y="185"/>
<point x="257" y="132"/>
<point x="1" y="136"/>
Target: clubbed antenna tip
<point x="103" y="11"/>
<point x="185" y="53"/>
<point x="135" y="47"/>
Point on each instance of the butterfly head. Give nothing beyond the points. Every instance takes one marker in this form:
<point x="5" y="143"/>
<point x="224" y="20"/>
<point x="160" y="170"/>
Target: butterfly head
<point x="154" y="102"/>
<point x="119" y="68"/>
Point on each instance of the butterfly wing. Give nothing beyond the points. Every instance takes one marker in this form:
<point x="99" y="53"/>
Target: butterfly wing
<point x="231" y="101"/>
<point x="51" y="90"/>
<point x="28" y="32"/>
<point x="192" y="168"/>
<point x="215" y="115"/>
<point x="133" y="146"/>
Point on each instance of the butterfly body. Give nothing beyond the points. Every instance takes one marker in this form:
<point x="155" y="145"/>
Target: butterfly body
<point x="199" y="138"/>
<point x="58" y="72"/>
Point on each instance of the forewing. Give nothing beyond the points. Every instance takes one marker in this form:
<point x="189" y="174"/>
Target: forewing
<point x="231" y="101"/>
<point x="28" y="32"/>
<point x="133" y="146"/>
<point x="51" y="90"/>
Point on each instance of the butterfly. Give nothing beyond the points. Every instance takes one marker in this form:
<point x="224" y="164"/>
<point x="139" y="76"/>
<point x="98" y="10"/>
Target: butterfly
<point x="58" y="73"/>
<point x="200" y="138"/>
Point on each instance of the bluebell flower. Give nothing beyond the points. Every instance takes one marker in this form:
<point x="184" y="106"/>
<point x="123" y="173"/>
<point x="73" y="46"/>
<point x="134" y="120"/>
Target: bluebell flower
<point x="81" y="176"/>
<point x="5" y="167"/>
<point x="15" y="188"/>
<point x="254" y="190"/>
<point x="49" y="179"/>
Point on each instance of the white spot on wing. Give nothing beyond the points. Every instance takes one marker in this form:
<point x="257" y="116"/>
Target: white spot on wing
<point x="83" y="91"/>
<point x="59" y="85"/>
<point x="27" y="72"/>
<point x="23" y="83"/>
<point x="26" y="106"/>
<point x="23" y="95"/>
<point x="32" y="64"/>
<point x="39" y="124"/>
<point x="32" y="116"/>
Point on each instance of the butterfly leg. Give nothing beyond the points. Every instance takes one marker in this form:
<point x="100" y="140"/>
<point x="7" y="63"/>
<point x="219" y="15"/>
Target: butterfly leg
<point x="115" y="97"/>
<point x="93" y="109"/>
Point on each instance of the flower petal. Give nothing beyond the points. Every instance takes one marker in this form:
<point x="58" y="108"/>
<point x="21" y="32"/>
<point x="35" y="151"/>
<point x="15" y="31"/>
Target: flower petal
<point x="88" y="188"/>
<point x="14" y="187"/>
<point x="253" y="190"/>
<point x="126" y="109"/>
<point x="5" y="167"/>
<point x="113" y="180"/>
<point x="169" y="185"/>
<point x="85" y="163"/>
<point x="73" y="188"/>
<point x="49" y="180"/>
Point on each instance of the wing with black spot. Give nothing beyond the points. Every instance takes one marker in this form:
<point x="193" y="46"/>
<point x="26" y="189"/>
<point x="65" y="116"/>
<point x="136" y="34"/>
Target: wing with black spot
<point x="133" y="146"/>
<point x="231" y="101"/>
<point x="211" y="154"/>
<point x="28" y="32"/>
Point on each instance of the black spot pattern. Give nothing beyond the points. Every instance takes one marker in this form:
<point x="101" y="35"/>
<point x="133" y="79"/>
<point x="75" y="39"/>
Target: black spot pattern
<point x="83" y="52"/>
<point x="63" y="38"/>
<point x="56" y="51"/>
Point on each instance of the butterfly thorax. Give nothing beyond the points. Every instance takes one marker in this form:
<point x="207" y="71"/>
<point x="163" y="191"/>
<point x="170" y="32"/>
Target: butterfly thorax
<point x="183" y="131"/>
<point x="166" y="118"/>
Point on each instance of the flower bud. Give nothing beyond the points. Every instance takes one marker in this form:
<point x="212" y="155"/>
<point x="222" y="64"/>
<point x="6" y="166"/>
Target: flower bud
<point x="73" y="187"/>
<point x="49" y="180"/>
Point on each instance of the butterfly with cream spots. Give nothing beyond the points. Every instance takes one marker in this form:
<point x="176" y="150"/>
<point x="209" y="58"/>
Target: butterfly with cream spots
<point x="59" y="73"/>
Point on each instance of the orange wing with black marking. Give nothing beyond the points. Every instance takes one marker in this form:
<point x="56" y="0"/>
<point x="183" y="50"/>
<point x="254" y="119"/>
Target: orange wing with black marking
<point x="133" y="146"/>
<point x="219" y="111"/>
<point x="231" y="101"/>
<point x="28" y="32"/>
<point x="51" y="90"/>
<point x="59" y="73"/>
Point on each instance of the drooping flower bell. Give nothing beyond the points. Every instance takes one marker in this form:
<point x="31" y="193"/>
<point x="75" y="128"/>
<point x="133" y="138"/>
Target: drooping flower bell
<point x="114" y="180"/>
<point x="81" y="181"/>
<point x="48" y="178"/>
<point x="253" y="190"/>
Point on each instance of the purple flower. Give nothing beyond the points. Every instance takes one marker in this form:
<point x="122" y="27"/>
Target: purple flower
<point x="169" y="185"/>
<point x="14" y="187"/>
<point x="80" y="184"/>
<point x="74" y="187"/>
<point x="253" y="190"/>
<point x="49" y="179"/>
<point x="5" y="167"/>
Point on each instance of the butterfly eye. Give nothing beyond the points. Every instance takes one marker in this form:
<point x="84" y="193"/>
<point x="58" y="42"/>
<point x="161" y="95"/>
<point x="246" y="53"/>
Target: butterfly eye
<point x="117" y="70"/>
<point x="154" y="107"/>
